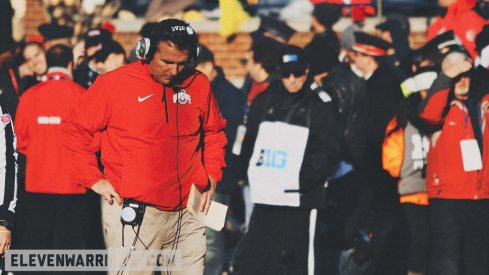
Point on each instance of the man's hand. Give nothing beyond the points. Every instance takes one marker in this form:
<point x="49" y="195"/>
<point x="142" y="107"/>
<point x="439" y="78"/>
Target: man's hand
<point x="206" y="197"/>
<point x="25" y="71"/>
<point x="5" y="238"/>
<point x="455" y="64"/>
<point x="105" y="189"/>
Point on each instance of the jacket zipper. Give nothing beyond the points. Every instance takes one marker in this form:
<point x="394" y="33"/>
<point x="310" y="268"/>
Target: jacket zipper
<point x="166" y="104"/>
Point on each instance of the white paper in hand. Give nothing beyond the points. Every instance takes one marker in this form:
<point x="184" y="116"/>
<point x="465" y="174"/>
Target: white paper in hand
<point x="216" y="216"/>
<point x="471" y="155"/>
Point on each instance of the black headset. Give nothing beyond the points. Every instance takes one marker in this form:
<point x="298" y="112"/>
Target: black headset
<point x="146" y="47"/>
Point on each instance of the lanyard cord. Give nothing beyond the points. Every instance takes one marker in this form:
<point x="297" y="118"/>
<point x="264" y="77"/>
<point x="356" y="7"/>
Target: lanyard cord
<point x="176" y="238"/>
<point x="474" y="117"/>
<point x="466" y="123"/>
<point x="131" y="250"/>
<point x="13" y="79"/>
<point x="166" y="103"/>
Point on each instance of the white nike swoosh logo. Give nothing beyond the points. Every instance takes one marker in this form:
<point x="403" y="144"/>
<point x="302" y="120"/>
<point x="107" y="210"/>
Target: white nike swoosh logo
<point x="141" y="99"/>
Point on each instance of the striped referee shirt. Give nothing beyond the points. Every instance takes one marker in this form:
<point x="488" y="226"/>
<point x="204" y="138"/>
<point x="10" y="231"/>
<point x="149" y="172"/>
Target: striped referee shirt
<point x="8" y="166"/>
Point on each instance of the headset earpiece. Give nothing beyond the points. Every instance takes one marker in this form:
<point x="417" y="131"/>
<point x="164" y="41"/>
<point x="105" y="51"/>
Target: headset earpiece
<point x="195" y="56"/>
<point x="142" y="48"/>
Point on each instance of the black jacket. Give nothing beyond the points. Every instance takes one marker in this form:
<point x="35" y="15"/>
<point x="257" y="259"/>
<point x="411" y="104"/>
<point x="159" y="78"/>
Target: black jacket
<point x="479" y="85"/>
<point x="383" y="100"/>
<point x="8" y="93"/>
<point x="305" y="108"/>
<point x="232" y="102"/>
<point x="349" y="95"/>
<point x="83" y="75"/>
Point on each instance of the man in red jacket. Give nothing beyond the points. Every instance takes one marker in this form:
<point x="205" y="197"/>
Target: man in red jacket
<point x="457" y="176"/>
<point x="53" y="204"/>
<point x="162" y="132"/>
<point x="460" y="17"/>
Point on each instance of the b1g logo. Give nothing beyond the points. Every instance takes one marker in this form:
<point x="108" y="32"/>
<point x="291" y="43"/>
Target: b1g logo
<point x="272" y="158"/>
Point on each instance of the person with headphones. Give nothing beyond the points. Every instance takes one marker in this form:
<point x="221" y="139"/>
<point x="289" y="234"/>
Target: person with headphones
<point x="162" y="132"/>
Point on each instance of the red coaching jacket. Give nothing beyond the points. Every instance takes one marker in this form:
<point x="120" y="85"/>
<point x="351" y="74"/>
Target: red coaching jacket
<point x="463" y="20"/>
<point x="37" y="124"/>
<point x="152" y="137"/>
<point x="445" y="175"/>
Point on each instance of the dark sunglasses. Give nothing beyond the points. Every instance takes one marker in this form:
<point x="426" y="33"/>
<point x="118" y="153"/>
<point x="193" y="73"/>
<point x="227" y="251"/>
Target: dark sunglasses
<point x="296" y="74"/>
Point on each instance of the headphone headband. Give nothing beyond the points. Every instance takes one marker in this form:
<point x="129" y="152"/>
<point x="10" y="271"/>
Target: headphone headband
<point x="164" y="30"/>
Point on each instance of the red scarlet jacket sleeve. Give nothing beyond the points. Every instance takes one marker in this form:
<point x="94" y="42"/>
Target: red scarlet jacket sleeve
<point x="433" y="106"/>
<point x="81" y="130"/>
<point x="214" y="139"/>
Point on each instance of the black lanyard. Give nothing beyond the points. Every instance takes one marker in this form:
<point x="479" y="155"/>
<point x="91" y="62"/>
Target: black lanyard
<point x="474" y="116"/>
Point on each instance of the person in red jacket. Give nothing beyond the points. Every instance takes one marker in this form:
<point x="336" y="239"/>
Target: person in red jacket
<point x="457" y="176"/>
<point x="53" y="204"/>
<point x="462" y="19"/>
<point x="162" y="132"/>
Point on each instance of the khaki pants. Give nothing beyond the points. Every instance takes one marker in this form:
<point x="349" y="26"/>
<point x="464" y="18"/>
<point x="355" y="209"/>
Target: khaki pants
<point x="157" y="232"/>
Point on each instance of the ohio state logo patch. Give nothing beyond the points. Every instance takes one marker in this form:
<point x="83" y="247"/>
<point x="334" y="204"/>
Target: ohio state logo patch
<point x="181" y="97"/>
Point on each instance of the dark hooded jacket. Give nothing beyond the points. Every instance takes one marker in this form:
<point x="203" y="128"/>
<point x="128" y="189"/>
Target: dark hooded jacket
<point x="231" y="102"/>
<point x="304" y="108"/>
<point x="383" y="100"/>
<point x="480" y="83"/>
<point x="348" y="93"/>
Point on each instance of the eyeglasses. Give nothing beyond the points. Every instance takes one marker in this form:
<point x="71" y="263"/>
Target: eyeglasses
<point x="295" y="74"/>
